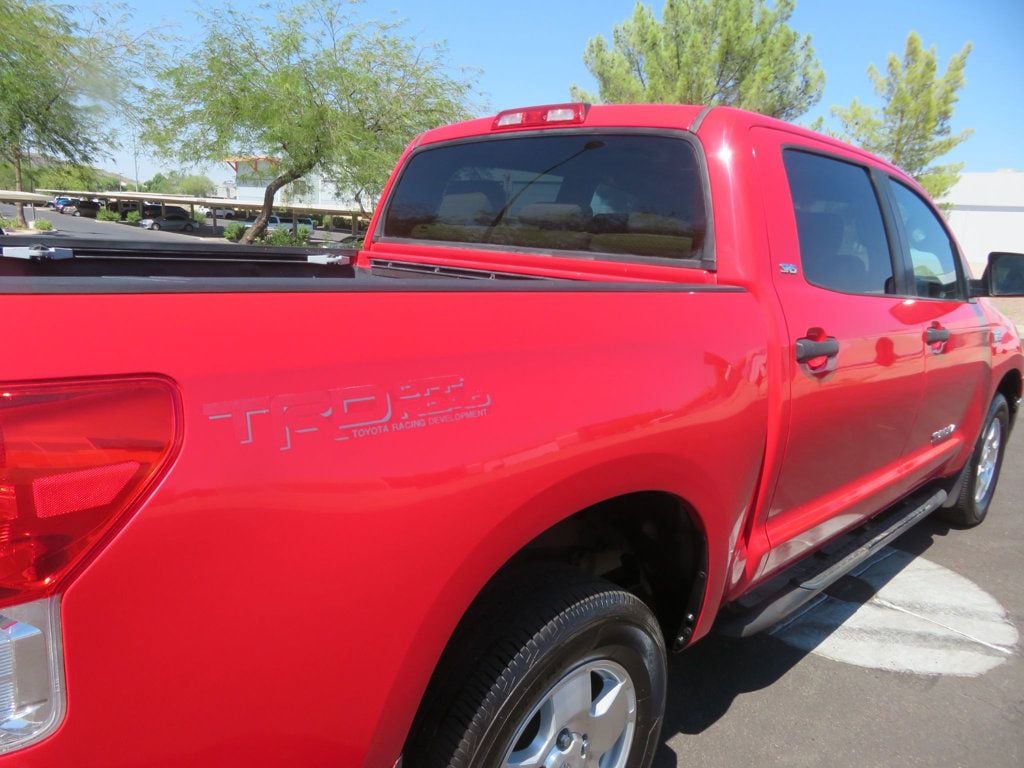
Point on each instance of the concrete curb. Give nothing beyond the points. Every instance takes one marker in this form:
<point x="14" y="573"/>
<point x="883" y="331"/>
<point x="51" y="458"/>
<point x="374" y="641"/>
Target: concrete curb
<point x="29" y="232"/>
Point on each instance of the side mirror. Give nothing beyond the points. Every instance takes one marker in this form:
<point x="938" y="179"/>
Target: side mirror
<point x="1004" y="276"/>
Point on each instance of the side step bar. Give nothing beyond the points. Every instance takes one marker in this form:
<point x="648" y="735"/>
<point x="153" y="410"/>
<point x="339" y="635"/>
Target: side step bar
<point x="794" y="587"/>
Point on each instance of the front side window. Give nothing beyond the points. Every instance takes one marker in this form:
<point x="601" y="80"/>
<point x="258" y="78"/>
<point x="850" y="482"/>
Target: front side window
<point x="843" y="245"/>
<point x="619" y="194"/>
<point x="931" y="250"/>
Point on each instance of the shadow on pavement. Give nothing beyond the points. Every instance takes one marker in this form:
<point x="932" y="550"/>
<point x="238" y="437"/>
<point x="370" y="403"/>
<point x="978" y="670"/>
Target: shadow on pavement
<point x="706" y="679"/>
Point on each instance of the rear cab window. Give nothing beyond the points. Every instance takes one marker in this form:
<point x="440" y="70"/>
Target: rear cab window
<point x="629" y="195"/>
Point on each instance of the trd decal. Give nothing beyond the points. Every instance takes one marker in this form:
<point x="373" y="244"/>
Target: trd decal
<point x="346" y="413"/>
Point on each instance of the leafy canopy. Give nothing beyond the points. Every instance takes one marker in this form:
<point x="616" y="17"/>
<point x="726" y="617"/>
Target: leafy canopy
<point x="60" y="79"/>
<point x="912" y="127"/>
<point x="73" y="176"/>
<point x="37" y="95"/>
<point x="175" y="182"/>
<point x="51" y="174"/>
<point x="740" y="53"/>
<point x="315" y="88"/>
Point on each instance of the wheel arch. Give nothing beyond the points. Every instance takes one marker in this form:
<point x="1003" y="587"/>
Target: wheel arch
<point x="652" y="543"/>
<point x="1010" y="386"/>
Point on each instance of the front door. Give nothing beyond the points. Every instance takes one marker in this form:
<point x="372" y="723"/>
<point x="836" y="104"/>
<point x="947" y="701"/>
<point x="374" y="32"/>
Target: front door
<point x="954" y="330"/>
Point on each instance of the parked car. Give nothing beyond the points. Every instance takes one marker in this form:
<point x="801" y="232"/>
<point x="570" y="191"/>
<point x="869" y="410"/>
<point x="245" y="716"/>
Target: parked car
<point x="172" y="221"/>
<point x="125" y="206"/>
<point x="67" y="204"/>
<point x="600" y="378"/>
<point x="276" y="222"/>
<point x="220" y="213"/>
<point x="57" y="202"/>
<point x="86" y="208"/>
<point x="152" y="210"/>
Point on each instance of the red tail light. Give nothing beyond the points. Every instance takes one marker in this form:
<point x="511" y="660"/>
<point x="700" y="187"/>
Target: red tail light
<point x="74" y="460"/>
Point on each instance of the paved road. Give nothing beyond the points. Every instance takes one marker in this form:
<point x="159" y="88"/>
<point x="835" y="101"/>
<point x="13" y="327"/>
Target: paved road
<point x="761" y="702"/>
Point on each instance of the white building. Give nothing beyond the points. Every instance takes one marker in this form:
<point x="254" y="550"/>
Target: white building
<point x="987" y="214"/>
<point x="253" y="174"/>
<point x="227" y="190"/>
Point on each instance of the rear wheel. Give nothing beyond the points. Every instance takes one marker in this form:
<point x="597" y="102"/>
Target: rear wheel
<point x="154" y="225"/>
<point x="571" y="673"/>
<point x="982" y="471"/>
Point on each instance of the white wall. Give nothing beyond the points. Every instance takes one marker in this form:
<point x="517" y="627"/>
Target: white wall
<point x="311" y="189"/>
<point x="981" y="232"/>
<point x="988" y="214"/>
<point x="250" y="194"/>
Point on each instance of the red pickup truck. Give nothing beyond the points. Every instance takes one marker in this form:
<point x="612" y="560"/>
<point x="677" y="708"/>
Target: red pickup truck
<point x="599" y="378"/>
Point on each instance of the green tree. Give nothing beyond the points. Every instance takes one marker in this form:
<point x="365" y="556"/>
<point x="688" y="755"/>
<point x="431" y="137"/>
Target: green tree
<point x="195" y="185"/>
<point x="912" y="127"/>
<point x="314" y="87"/>
<point x="67" y="176"/>
<point x="59" y="79"/>
<point x="159" y="183"/>
<point x="178" y="183"/>
<point x="740" y="53"/>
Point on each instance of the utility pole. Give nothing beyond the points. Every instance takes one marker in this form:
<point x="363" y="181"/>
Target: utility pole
<point x="135" y="153"/>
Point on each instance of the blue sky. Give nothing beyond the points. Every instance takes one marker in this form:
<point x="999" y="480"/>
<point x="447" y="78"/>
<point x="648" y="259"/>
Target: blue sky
<point x="530" y="52"/>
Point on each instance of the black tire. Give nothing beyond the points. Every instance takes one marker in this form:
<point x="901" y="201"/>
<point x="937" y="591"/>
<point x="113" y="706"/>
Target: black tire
<point x="188" y="227"/>
<point x="553" y="628"/>
<point x="155" y="226"/>
<point x="975" y="494"/>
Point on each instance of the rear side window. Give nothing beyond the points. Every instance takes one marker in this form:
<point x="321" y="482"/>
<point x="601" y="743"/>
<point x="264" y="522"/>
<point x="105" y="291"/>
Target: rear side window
<point x="843" y="245"/>
<point x="632" y="195"/>
<point x="931" y="250"/>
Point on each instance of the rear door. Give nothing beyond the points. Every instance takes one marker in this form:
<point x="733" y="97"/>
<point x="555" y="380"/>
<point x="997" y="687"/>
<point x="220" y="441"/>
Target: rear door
<point x="855" y="360"/>
<point x="954" y="331"/>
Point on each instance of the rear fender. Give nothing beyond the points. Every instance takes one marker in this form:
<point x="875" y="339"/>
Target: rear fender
<point x="694" y="486"/>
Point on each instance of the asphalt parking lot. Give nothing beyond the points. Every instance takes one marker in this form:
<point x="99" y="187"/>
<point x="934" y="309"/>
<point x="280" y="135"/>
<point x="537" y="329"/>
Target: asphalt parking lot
<point x="77" y="227"/>
<point x="767" y="701"/>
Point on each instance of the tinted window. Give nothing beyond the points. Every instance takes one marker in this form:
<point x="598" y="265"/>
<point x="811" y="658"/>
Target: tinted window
<point x="638" y="195"/>
<point x="843" y="245"/>
<point x="931" y="251"/>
